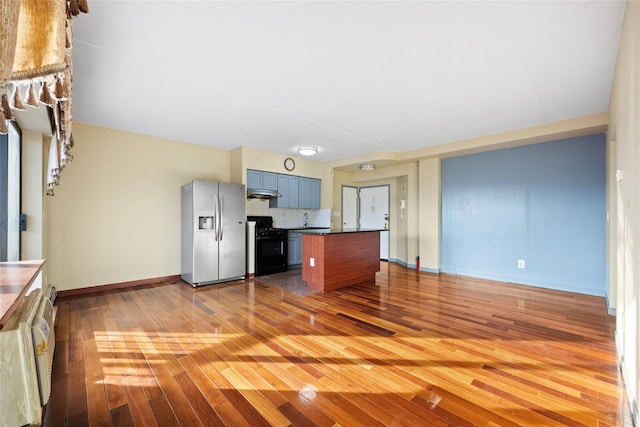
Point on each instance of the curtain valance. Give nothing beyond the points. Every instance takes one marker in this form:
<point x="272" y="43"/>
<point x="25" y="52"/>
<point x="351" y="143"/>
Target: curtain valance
<point x="36" y="39"/>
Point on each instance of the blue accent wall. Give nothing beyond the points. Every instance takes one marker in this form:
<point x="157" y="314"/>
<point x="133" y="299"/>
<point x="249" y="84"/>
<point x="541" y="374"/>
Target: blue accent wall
<point x="542" y="203"/>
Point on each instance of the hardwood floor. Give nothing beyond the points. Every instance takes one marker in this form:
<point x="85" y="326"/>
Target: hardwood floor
<point x="412" y="349"/>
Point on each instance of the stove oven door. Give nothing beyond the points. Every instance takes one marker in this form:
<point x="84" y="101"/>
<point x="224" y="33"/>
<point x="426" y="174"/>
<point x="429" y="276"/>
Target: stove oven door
<point x="271" y="254"/>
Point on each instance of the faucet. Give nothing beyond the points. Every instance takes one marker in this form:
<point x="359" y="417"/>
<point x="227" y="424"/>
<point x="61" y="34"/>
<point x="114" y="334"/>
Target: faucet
<point x="305" y="219"/>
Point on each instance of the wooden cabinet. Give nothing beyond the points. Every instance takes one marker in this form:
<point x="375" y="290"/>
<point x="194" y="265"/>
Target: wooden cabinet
<point x="294" y="256"/>
<point x="336" y="259"/>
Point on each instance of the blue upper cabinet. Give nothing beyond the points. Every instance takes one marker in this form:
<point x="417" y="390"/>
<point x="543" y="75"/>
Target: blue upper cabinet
<point x="309" y="193"/>
<point x="254" y="179"/>
<point x="314" y="193"/>
<point x="295" y="191"/>
<point x="283" y="189"/>
<point x="303" y="193"/>
<point x="285" y="200"/>
<point x="270" y="181"/>
<point x="262" y="180"/>
<point x="294" y="251"/>
<point x="293" y="188"/>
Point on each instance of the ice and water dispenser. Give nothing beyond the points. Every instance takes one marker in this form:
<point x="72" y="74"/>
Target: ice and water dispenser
<point x="205" y="222"/>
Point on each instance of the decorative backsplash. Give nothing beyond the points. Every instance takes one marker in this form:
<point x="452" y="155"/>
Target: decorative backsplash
<point x="289" y="218"/>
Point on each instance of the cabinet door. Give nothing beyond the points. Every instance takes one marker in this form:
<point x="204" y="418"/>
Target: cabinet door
<point x="298" y="251"/>
<point x="254" y="178"/>
<point x="293" y="185"/>
<point x="303" y="193"/>
<point x="291" y="247"/>
<point x="283" y="189"/>
<point x="294" y="257"/>
<point x="270" y="181"/>
<point x="284" y="201"/>
<point x="314" y="193"/>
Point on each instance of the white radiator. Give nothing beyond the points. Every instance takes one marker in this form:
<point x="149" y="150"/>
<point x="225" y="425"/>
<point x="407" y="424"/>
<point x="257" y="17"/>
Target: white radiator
<point x="42" y="331"/>
<point x="27" y="343"/>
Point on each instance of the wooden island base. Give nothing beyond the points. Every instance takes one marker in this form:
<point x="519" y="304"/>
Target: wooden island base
<point x="336" y="259"/>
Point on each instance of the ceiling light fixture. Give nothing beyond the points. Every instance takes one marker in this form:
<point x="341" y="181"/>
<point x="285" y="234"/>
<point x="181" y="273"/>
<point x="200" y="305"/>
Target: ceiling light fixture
<point x="367" y="167"/>
<point x="307" y="150"/>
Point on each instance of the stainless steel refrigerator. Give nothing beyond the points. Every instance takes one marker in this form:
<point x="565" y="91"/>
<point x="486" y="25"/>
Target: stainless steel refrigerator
<point x="213" y="232"/>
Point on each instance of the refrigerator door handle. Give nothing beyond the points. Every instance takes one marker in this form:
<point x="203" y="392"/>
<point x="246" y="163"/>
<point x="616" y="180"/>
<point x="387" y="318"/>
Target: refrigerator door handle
<point x="216" y="218"/>
<point x="221" y="219"/>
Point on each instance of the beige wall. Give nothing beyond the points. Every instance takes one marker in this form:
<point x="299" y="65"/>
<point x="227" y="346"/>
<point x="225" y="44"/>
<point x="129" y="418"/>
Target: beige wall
<point x="401" y="231"/>
<point x="33" y="241"/>
<point x="339" y="179"/>
<point x="430" y="209"/>
<point x="32" y="244"/>
<point x="238" y="173"/>
<point x="116" y="216"/>
<point x="624" y="196"/>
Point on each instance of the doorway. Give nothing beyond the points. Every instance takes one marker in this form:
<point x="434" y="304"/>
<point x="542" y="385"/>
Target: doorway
<point x="349" y="206"/>
<point x="367" y="207"/>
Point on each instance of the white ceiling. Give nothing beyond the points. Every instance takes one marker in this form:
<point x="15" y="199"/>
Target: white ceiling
<point x="348" y="77"/>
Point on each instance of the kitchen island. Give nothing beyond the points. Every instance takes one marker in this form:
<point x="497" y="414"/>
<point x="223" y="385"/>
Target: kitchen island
<point x="335" y="258"/>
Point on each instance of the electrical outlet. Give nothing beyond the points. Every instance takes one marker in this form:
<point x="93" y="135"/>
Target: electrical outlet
<point x="312" y="262"/>
<point x="521" y="263"/>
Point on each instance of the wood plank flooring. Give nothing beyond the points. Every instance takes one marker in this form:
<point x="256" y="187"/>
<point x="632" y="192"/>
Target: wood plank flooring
<point x="412" y="349"/>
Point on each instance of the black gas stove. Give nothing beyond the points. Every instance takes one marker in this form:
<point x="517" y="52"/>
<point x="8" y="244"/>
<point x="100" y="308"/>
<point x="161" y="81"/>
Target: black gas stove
<point x="264" y="227"/>
<point x="271" y="246"/>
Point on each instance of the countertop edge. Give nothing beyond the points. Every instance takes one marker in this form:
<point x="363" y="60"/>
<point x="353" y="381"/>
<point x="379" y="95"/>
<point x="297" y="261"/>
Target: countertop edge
<point x="303" y="228"/>
<point x="13" y="300"/>
<point x="341" y="231"/>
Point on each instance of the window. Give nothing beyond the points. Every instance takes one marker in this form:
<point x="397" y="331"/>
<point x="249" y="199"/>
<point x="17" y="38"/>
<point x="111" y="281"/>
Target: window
<point x="10" y="159"/>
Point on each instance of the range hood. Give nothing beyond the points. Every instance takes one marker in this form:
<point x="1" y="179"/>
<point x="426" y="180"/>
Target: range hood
<point x="256" y="193"/>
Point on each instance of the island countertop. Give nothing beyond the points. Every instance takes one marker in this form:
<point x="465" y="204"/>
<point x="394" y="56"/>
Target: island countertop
<point x="337" y="230"/>
<point x="15" y="280"/>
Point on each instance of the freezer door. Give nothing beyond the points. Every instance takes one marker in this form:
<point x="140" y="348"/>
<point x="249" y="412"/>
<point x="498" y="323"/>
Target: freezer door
<point x="232" y="231"/>
<point x="205" y="244"/>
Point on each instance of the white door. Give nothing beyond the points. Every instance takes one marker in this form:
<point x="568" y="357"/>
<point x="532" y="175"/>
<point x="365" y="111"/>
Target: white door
<point x="349" y="207"/>
<point x="374" y="213"/>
